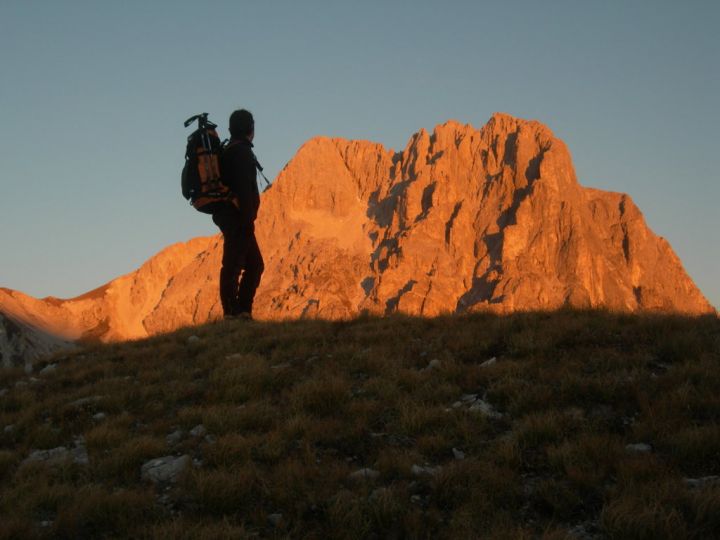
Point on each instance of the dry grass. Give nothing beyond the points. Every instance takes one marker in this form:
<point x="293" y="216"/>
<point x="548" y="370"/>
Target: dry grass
<point x="291" y="409"/>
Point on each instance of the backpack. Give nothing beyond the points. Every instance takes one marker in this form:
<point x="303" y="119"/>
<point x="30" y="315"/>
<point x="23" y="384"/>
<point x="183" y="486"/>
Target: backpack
<point x="200" y="180"/>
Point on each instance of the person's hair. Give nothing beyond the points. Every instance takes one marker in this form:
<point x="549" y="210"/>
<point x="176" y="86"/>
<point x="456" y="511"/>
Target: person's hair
<point x="242" y="123"/>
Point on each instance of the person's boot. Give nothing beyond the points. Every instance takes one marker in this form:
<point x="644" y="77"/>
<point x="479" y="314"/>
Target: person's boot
<point x="240" y="316"/>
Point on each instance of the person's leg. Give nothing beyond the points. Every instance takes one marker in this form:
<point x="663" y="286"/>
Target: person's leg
<point x="234" y="248"/>
<point x="250" y="280"/>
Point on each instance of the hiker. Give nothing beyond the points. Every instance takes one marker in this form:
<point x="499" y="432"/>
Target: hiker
<point x="236" y="220"/>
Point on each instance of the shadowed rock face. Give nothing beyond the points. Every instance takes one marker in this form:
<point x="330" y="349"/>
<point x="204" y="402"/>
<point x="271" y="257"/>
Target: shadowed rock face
<point x="461" y="220"/>
<point x="21" y="344"/>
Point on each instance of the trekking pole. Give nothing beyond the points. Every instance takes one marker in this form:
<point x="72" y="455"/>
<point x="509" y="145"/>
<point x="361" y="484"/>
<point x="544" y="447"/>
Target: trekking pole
<point x="260" y="168"/>
<point x="267" y="182"/>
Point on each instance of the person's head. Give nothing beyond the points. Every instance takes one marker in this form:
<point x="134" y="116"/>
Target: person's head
<point x="242" y="125"/>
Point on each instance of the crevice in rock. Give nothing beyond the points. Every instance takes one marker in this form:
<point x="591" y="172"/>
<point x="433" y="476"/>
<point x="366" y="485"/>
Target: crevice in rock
<point x="426" y="202"/>
<point x="392" y="303"/>
<point x="637" y="291"/>
<point x="451" y="221"/>
<point x="367" y="285"/>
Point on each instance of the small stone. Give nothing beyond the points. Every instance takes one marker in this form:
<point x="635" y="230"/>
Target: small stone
<point x="99" y="417"/>
<point x="434" y="364"/>
<point x="701" y="482"/>
<point x="638" y="448"/>
<point x="416" y="499"/>
<point x="467" y="398"/>
<point x="50" y="368"/>
<point x="457" y="405"/>
<point x="423" y="354"/>
<point x="9" y="428"/>
<point x="284" y="365"/>
<point x="193" y="339"/>
<point x="364" y="474"/>
<point x="55" y="456"/>
<point x="86" y="401"/>
<point x="275" y="519"/>
<point x="174" y="438"/>
<point x="3" y="391"/>
<point x="584" y="531"/>
<point x="485" y="408"/>
<point x="44" y="524"/>
<point x="79" y="453"/>
<point x="164" y="469"/>
<point x="210" y="439"/>
<point x="417" y="470"/>
<point x="458" y="454"/>
<point x="198" y="431"/>
<point x="490" y="362"/>
<point x="234" y="356"/>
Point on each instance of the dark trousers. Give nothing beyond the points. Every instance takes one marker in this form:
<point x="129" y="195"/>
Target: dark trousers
<point x="241" y="254"/>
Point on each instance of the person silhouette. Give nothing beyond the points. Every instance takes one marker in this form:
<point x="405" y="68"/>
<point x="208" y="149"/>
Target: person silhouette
<point x="236" y="220"/>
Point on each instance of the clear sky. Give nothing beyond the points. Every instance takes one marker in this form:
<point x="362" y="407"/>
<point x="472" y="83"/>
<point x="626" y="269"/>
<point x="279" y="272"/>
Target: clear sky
<point x="93" y="95"/>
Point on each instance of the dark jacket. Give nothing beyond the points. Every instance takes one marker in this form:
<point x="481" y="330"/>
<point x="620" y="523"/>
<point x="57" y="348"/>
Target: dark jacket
<point x="239" y="173"/>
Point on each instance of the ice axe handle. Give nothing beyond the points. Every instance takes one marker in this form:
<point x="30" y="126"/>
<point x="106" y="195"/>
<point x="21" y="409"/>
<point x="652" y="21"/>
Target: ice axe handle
<point x="191" y="120"/>
<point x="196" y="117"/>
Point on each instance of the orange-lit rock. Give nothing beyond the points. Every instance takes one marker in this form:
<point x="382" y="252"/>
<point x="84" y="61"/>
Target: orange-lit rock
<point x="461" y="220"/>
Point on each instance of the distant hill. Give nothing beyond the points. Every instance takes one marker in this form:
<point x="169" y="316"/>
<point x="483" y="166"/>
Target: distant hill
<point x="461" y="220"/>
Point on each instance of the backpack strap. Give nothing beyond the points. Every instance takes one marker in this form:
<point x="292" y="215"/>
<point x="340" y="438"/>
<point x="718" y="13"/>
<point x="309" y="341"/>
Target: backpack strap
<point x="257" y="163"/>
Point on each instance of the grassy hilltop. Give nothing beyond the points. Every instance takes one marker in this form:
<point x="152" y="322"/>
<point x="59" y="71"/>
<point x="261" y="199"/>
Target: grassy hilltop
<point x="586" y="425"/>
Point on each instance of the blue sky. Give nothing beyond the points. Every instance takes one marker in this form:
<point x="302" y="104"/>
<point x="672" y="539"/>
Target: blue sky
<point x="94" y="94"/>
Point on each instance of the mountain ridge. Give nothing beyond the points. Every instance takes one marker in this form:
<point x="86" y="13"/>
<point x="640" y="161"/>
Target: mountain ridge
<point x="462" y="219"/>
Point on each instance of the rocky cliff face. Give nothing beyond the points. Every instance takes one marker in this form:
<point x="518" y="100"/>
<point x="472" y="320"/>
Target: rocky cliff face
<point x="460" y="220"/>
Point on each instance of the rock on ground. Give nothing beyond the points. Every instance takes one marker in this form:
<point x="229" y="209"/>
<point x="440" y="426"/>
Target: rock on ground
<point x="61" y="454"/>
<point x="164" y="469"/>
<point x="490" y="362"/>
<point x="364" y="474"/>
<point x="702" y="481"/>
<point x="638" y="448"/>
<point x="418" y="470"/>
<point x="485" y="408"/>
<point x="48" y="369"/>
<point x="198" y="431"/>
